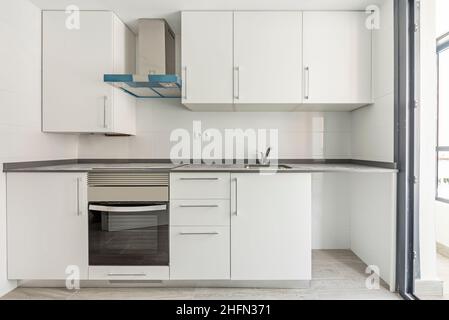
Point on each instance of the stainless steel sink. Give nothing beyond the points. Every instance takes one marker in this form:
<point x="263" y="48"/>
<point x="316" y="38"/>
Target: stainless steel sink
<point x="266" y="166"/>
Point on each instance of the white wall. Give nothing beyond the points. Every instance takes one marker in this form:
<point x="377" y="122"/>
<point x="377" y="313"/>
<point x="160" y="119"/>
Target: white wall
<point x="427" y="141"/>
<point x="442" y="22"/>
<point x="20" y="108"/>
<point x="442" y="223"/>
<point x="373" y="126"/>
<point x="331" y="211"/>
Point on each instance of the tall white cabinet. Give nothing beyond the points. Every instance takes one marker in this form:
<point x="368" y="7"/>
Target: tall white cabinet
<point x="267" y="58"/>
<point x="74" y="96"/>
<point x="271" y="235"/>
<point x="337" y="58"/>
<point x="47" y="225"/>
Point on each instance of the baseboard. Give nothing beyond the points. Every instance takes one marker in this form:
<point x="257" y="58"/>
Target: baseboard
<point x="428" y="288"/>
<point x="7" y="286"/>
<point x="286" y="284"/>
<point x="443" y="250"/>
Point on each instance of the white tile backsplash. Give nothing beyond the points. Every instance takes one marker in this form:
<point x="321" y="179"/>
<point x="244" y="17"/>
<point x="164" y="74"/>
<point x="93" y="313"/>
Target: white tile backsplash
<point x="302" y="135"/>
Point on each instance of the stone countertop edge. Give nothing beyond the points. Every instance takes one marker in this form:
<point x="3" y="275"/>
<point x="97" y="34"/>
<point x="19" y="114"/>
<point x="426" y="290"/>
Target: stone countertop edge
<point x="86" y="166"/>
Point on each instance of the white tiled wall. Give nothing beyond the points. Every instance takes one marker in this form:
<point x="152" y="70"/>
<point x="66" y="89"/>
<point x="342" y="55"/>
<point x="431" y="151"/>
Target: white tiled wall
<point x="373" y="126"/>
<point x="301" y="135"/>
<point x="20" y="108"/>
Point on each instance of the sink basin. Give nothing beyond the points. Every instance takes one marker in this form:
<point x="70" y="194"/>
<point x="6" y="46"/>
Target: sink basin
<point x="271" y="167"/>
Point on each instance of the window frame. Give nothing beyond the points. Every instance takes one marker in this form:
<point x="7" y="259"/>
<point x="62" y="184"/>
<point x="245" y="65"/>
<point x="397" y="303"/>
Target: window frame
<point x="442" y="45"/>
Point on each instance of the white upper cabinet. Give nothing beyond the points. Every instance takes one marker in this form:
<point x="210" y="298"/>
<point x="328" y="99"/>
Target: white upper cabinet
<point x="337" y="58"/>
<point x="207" y="59"/>
<point x="75" y="98"/>
<point x="281" y="61"/>
<point x="267" y="58"/>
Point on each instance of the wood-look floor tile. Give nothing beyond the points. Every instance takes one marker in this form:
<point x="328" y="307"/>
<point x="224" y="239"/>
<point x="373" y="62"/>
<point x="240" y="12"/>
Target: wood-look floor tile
<point x="337" y="274"/>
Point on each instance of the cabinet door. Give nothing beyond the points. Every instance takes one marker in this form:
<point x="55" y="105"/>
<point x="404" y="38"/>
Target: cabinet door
<point x="207" y="57"/>
<point x="337" y="58"/>
<point x="47" y="225"/>
<point x="75" y="98"/>
<point x="271" y="226"/>
<point x="267" y="57"/>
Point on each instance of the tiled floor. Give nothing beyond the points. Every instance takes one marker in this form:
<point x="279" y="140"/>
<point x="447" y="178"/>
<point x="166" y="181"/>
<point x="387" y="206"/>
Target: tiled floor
<point x="443" y="273"/>
<point x="337" y="274"/>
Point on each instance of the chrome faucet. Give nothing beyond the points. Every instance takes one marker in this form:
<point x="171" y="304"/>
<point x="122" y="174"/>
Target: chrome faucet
<point x="264" y="157"/>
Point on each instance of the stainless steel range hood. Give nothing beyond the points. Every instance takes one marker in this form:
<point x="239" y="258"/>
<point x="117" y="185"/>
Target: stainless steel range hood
<point x="155" y="76"/>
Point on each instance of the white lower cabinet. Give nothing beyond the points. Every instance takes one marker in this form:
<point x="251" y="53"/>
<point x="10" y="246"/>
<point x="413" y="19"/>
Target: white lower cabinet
<point x="258" y="229"/>
<point x="199" y="253"/>
<point x="271" y="226"/>
<point x="47" y="225"/>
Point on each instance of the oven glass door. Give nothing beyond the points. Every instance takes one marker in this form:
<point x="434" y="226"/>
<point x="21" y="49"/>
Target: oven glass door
<point x="128" y="234"/>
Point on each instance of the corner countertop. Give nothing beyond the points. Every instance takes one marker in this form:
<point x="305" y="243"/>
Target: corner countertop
<point x="56" y="166"/>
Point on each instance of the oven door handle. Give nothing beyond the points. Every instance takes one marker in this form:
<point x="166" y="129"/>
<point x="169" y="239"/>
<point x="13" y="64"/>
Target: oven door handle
<point x="96" y="207"/>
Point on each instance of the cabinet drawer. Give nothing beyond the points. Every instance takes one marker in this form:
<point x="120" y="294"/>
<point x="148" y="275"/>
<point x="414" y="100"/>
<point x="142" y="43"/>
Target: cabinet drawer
<point x="199" y="185"/>
<point x="129" y="272"/>
<point x="199" y="253"/>
<point x="200" y="213"/>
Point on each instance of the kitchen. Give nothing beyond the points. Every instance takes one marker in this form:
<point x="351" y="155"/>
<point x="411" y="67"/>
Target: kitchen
<point x="247" y="148"/>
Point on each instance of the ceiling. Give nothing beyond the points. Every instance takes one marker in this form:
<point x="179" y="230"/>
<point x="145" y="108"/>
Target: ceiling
<point x="131" y="10"/>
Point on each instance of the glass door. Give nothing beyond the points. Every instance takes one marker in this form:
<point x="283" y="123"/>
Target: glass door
<point x="128" y="234"/>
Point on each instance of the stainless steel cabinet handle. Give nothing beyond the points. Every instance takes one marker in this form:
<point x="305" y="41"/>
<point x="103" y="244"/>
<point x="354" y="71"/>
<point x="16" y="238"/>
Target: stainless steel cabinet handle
<point x="198" y="179"/>
<point x="237" y="83"/>
<point x="95" y="207"/>
<point x="105" y="124"/>
<point x="198" y="233"/>
<point x="236" y="211"/>
<point x="198" y="206"/>
<point x="78" y="184"/>
<point x="127" y="274"/>
<point x="184" y="83"/>
<point x="307" y="82"/>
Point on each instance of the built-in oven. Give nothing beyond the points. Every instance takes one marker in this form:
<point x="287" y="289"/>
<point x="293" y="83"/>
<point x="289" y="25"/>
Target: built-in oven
<point x="128" y="219"/>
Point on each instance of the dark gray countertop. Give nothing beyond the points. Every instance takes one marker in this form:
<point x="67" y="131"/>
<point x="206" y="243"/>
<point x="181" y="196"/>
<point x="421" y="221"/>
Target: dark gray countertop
<point x="339" y="167"/>
<point x="86" y="167"/>
<point x="169" y="167"/>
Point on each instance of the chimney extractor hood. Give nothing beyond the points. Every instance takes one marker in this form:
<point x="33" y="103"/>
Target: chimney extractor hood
<point x="155" y="76"/>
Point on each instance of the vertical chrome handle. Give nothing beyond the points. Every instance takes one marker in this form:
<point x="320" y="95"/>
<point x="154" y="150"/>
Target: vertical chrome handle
<point x="184" y="83"/>
<point x="236" y="211"/>
<point x="78" y="184"/>
<point x="237" y="83"/>
<point x="105" y="124"/>
<point x="306" y="82"/>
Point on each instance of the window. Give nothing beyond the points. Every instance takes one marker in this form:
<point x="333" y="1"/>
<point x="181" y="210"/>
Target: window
<point x="443" y="120"/>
